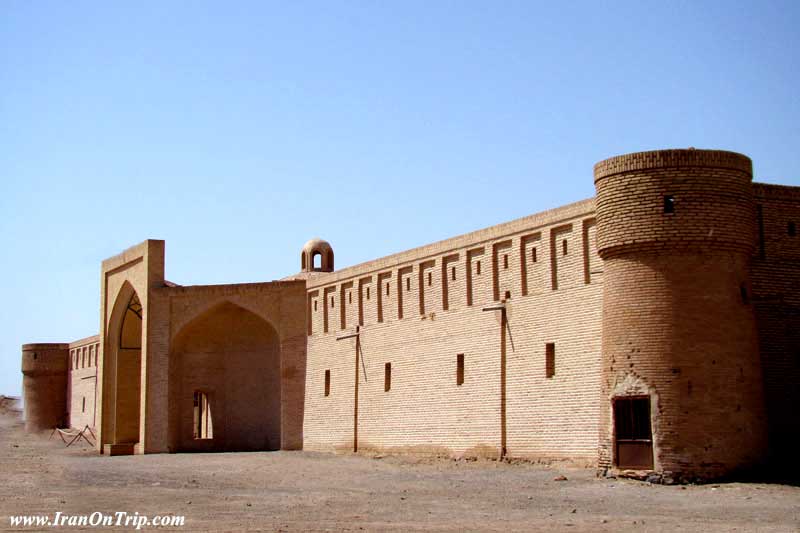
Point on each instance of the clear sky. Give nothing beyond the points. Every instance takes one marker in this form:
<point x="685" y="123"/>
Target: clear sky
<point x="238" y="130"/>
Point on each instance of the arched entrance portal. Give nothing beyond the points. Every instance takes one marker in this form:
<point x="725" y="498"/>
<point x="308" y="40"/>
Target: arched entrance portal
<point x="226" y="382"/>
<point x="122" y="373"/>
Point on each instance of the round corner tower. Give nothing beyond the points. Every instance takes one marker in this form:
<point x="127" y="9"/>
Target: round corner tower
<point x="681" y="377"/>
<point x="44" y="384"/>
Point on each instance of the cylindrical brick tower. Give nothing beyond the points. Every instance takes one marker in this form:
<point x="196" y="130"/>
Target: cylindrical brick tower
<point x="44" y="385"/>
<point x="681" y="377"/>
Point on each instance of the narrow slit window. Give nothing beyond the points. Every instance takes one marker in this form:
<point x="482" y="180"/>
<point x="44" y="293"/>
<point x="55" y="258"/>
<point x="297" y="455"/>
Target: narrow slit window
<point x="367" y="293"/>
<point x="83" y="405"/>
<point x="327" y="383"/>
<point x="564" y="246"/>
<point x="350" y="297"/>
<point x="453" y="273"/>
<point x="460" y="369"/>
<point x="744" y="293"/>
<point x="505" y="261"/>
<point x="315" y="305"/>
<point x="408" y="284"/>
<point x="387" y="289"/>
<point x="550" y="359"/>
<point x="203" y="427"/>
<point x="533" y="255"/>
<point x="387" y="377"/>
<point x="430" y="279"/>
<point x="669" y="204"/>
<point x="791" y="229"/>
<point x="478" y="268"/>
<point x="332" y="302"/>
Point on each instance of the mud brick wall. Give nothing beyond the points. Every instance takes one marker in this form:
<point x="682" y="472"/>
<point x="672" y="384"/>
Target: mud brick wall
<point x="418" y="310"/>
<point x="675" y="231"/>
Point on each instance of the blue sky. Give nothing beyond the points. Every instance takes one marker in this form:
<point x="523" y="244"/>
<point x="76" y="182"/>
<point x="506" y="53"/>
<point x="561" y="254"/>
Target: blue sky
<point x="238" y="130"/>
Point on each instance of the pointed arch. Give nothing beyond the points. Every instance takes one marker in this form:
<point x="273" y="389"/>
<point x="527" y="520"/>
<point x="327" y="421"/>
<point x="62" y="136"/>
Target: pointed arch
<point x="229" y="357"/>
<point x="122" y="367"/>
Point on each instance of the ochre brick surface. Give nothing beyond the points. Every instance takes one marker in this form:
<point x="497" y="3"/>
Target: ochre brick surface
<point x="695" y="305"/>
<point x="775" y="277"/>
<point x="44" y="385"/>
<point x="676" y="325"/>
<point x="82" y="382"/>
<point x="425" y="411"/>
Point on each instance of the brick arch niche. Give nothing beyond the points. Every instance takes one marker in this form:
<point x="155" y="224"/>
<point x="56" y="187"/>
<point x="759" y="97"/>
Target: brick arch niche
<point x="122" y="373"/>
<point x="226" y="383"/>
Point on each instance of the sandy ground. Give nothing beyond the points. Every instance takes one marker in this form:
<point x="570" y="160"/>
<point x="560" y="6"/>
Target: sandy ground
<point x="303" y="491"/>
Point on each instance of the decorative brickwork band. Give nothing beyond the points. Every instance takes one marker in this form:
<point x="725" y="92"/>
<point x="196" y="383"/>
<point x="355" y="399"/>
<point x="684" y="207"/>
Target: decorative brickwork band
<point x="677" y="158"/>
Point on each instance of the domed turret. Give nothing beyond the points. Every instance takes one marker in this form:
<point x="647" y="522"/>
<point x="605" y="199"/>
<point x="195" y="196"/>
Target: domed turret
<point x="681" y="378"/>
<point x="317" y="256"/>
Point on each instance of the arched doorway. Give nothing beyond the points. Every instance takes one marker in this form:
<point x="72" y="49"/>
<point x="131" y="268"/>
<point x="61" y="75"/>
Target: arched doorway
<point x="226" y="382"/>
<point x="122" y="373"/>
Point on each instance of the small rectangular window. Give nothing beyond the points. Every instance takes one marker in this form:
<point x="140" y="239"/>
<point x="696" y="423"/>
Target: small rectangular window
<point x="453" y="273"/>
<point x="505" y="261"/>
<point x="791" y="229"/>
<point x="203" y="428"/>
<point x="367" y="293"/>
<point x="387" y="377"/>
<point x="669" y="204"/>
<point x="387" y="289"/>
<point x="315" y="305"/>
<point x="533" y="255"/>
<point x="550" y="359"/>
<point x="332" y="302"/>
<point x="478" y="268"/>
<point x="350" y="297"/>
<point x="564" y="246"/>
<point x="430" y="279"/>
<point x="508" y="295"/>
<point x="408" y="284"/>
<point x="460" y="369"/>
<point x="327" y="383"/>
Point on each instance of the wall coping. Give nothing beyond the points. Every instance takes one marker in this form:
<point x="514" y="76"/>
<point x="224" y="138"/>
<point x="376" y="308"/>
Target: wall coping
<point x="672" y="158"/>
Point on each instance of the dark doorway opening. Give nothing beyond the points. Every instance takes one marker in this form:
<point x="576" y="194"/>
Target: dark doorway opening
<point x="633" y="437"/>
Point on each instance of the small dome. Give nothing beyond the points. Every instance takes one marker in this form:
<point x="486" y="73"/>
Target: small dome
<point x="317" y="244"/>
<point x="308" y="257"/>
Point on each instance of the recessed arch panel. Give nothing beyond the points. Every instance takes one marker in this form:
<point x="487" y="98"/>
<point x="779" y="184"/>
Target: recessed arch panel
<point x="232" y="356"/>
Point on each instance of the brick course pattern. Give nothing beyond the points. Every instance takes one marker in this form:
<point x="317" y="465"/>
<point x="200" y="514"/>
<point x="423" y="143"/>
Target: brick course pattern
<point x="678" y="283"/>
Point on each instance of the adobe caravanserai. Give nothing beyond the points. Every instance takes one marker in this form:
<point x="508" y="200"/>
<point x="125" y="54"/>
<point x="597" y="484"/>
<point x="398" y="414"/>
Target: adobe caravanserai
<point x="655" y="327"/>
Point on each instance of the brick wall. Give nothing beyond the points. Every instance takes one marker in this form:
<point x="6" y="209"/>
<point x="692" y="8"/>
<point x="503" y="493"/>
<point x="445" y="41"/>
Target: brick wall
<point x="424" y="307"/>
<point x="684" y="269"/>
<point x="776" y="300"/>
<point x="82" y="395"/>
<point x="245" y="346"/>
<point x="44" y="385"/>
<point x="676" y="326"/>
